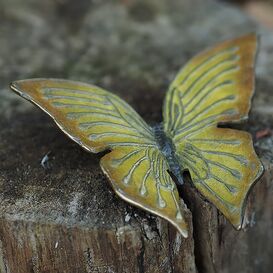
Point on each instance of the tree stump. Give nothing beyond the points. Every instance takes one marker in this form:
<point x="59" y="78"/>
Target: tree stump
<point x="65" y="217"/>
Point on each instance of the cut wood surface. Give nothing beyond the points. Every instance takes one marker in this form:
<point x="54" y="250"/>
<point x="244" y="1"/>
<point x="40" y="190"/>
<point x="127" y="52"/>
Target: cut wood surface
<point x="63" y="216"/>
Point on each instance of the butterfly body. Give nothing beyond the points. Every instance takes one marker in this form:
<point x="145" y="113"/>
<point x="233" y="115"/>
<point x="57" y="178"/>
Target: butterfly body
<point x="167" y="148"/>
<point x="214" y="88"/>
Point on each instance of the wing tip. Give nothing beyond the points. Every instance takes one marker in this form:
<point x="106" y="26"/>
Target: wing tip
<point x="242" y="221"/>
<point x="183" y="231"/>
<point x="15" y="87"/>
<point x="250" y="37"/>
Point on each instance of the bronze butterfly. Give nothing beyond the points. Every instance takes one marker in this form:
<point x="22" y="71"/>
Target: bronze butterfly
<point x="213" y="88"/>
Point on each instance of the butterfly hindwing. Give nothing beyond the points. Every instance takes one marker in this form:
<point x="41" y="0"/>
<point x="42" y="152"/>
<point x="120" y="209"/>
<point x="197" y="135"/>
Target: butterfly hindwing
<point x="223" y="167"/>
<point x="139" y="175"/>
<point x="98" y="120"/>
<point x="216" y="87"/>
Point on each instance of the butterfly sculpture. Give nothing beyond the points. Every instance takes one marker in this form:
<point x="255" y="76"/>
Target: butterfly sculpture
<point x="213" y="88"/>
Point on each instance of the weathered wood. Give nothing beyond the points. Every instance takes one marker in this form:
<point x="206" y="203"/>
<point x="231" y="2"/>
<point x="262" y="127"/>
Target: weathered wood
<point x="36" y="247"/>
<point x="66" y="218"/>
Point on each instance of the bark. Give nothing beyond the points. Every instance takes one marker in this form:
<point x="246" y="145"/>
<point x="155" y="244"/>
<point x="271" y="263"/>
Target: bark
<point x="66" y="218"/>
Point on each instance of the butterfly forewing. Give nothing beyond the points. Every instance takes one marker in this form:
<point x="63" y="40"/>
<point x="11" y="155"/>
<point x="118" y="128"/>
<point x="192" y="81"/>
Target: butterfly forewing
<point x="91" y="116"/>
<point x="216" y="87"/>
<point x="99" y="120"/>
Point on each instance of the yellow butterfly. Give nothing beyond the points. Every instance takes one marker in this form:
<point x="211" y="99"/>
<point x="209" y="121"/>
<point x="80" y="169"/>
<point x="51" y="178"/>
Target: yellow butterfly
<point x="214" y="88"/>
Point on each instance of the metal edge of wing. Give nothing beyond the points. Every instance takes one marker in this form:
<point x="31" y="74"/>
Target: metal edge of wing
<point x="260" y="173"/>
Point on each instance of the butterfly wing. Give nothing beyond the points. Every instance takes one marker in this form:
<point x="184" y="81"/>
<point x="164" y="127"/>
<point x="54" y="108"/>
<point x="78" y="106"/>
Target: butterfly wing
<point x="139" y="175"/>
<point x="216" y="87"/>
<point x="98" y="120"/>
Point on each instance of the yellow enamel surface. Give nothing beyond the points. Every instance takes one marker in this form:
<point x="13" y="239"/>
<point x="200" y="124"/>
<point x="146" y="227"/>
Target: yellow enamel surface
<point x="98" y="120"/>
<point x="216" y="87"/>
